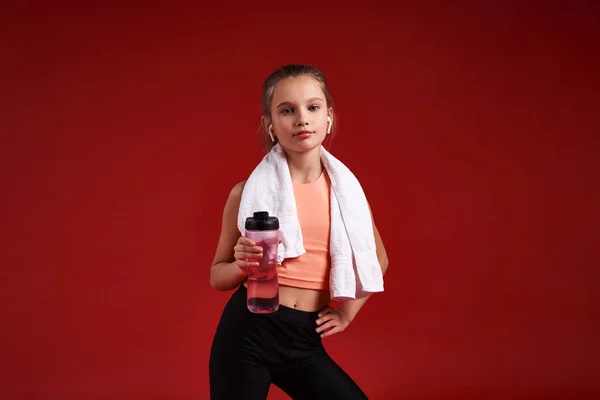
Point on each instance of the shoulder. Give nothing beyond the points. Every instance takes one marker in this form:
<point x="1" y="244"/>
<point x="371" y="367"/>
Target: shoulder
<point x="233" y="201"/>
<point x="236" y="192"/>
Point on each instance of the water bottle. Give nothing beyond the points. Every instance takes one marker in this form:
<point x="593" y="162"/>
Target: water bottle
<point x="263" y="286"/>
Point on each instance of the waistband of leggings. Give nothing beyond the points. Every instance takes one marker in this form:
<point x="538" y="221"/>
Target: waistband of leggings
<point x="291" y="314"/>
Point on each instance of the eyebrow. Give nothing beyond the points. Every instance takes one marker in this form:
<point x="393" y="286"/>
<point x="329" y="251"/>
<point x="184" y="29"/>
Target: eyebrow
<point x="308" y="101"/>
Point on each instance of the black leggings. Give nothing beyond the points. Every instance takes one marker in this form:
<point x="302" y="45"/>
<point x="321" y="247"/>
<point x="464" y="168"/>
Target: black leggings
<point x="251" y="351"/>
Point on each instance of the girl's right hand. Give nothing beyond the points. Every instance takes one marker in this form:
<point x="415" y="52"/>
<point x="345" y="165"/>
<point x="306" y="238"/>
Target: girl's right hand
<point x="247" y="254"/>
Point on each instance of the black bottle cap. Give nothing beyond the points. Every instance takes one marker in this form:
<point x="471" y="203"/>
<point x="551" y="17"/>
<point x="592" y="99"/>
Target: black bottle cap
<point x="261" y="221"/>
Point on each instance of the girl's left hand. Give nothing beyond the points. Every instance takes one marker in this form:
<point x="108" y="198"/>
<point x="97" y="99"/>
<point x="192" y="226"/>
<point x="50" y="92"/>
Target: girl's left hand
<point x="331" y="321"/>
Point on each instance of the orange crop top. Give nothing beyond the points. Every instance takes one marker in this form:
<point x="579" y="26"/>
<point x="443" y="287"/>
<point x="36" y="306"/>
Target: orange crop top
<point x="311" y="270"/>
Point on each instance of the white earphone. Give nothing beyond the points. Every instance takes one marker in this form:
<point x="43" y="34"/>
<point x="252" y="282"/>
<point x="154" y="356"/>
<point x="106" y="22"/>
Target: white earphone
<point x="271" y="133"/>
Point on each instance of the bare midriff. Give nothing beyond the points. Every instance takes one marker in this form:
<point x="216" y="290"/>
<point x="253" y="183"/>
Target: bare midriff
<point x="302" y="299"/>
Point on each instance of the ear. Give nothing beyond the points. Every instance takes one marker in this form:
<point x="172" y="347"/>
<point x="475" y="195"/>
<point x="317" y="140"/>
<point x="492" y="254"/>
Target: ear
<point x="265" y="122"/>
<point x="331" y="115"/>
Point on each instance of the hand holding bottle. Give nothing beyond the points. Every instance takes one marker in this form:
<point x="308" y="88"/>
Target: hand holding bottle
<point x="247" y="254"/>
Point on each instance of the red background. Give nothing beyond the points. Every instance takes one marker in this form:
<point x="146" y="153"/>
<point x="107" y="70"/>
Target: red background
<point x="472" y="128"/>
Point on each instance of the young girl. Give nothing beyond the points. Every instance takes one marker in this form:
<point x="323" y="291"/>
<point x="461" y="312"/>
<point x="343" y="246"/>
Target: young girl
<point x="251" y="351"/>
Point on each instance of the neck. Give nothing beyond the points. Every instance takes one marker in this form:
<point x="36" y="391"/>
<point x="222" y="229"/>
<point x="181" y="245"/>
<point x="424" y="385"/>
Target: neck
<point x="305" y="167"/>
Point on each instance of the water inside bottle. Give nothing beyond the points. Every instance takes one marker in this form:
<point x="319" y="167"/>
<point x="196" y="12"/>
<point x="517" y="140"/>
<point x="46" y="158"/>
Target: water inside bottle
<point x="263" y="286"/>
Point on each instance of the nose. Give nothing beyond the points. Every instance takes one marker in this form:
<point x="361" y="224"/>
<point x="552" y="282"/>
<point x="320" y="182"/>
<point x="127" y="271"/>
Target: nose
<point x="302" y="120"/>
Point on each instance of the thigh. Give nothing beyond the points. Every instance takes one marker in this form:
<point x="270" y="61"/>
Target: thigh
<point x="239" y="382"/>
<point x="235" y="367"/>
<point x="321" y="378"/>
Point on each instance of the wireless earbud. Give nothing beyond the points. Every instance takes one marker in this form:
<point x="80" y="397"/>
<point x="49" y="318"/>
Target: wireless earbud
<point x="329" y="124"/>
<point x="271" y="133"/>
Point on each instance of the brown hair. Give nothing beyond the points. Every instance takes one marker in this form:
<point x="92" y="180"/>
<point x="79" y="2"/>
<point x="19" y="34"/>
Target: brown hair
<point x="291" y="71"/>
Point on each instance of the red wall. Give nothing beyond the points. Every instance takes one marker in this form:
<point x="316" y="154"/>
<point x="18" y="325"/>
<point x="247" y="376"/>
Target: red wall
<point x="473" y="130"/>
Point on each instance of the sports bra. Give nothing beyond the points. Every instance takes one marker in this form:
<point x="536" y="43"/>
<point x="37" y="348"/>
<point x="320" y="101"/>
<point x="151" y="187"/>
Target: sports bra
<point x="311" y="270"/>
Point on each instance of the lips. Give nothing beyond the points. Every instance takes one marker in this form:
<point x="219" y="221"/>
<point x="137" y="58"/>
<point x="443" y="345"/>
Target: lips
<point x="303" y="133"/>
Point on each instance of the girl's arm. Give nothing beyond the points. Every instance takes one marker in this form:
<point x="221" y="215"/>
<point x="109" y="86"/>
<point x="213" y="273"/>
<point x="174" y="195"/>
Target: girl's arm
<point x="225" y="274"/>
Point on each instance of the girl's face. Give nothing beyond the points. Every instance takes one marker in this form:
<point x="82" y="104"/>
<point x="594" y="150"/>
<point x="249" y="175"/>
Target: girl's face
<point x="299" y="114"/>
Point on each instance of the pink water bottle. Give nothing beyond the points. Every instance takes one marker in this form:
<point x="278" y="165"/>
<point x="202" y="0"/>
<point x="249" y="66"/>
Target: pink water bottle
<point x="263" y="286"/>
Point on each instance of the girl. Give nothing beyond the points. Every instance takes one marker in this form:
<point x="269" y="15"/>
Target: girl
<point x="251" y="351"/>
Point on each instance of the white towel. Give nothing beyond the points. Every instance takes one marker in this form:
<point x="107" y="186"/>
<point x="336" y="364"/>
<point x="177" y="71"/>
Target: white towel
<point x="355" y="270"/>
